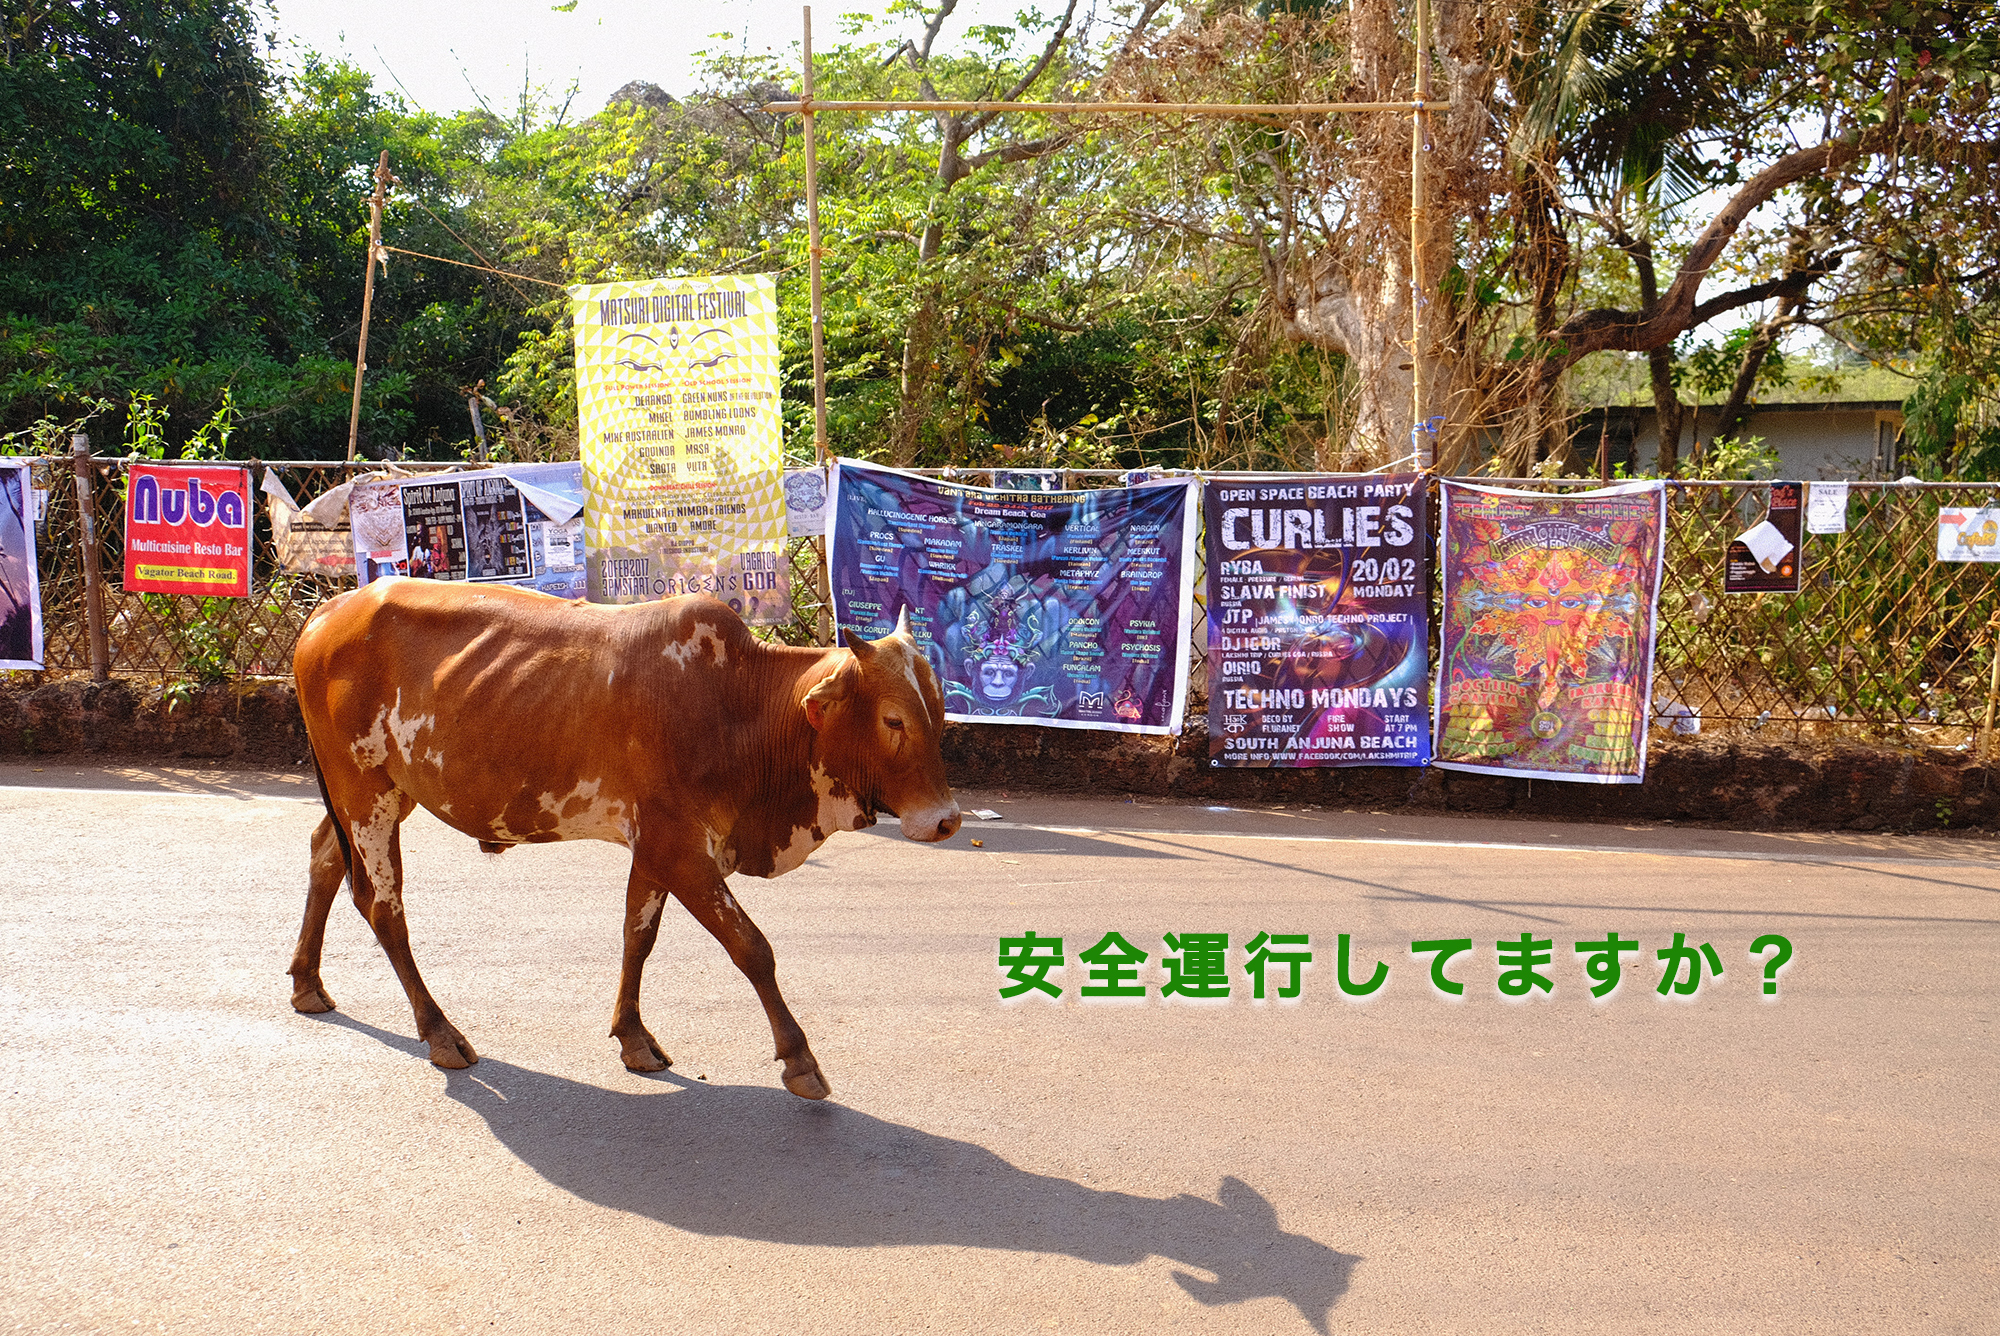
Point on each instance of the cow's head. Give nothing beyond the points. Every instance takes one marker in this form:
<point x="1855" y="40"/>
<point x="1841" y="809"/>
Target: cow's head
<point x="880" y="718"/>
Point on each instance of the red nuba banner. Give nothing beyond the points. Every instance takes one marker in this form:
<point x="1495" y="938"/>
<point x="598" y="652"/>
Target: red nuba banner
<point x="187" y="530"/>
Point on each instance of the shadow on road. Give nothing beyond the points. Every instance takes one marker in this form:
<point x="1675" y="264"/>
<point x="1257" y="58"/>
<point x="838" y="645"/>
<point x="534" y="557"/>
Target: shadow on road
<point x="758" y="1163"/>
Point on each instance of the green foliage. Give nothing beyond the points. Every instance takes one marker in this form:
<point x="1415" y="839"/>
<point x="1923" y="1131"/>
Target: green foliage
<point x="1951" y="428"/>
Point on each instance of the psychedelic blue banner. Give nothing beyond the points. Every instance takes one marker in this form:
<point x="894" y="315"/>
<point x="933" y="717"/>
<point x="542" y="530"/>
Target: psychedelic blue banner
<point x="1317" y="646"/>
<point x="1066" y="609"/>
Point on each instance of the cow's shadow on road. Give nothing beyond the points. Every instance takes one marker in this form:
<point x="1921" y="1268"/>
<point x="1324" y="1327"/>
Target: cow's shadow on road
<point x="759" y="1163"/>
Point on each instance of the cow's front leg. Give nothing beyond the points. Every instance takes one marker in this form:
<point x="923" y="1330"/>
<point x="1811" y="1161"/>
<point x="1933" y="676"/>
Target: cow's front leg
<point x="707" y="897"/>
<point x="644" y="899"/>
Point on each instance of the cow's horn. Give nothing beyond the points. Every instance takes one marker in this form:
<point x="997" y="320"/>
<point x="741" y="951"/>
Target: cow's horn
<point x="903" y="624"/>
<point x="863" y="649"/>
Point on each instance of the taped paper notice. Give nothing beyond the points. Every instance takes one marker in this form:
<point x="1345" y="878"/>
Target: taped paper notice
<point x="1826" y="508"/>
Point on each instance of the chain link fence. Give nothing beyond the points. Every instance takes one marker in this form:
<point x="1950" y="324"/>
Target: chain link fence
<point x="1882" y="641"/>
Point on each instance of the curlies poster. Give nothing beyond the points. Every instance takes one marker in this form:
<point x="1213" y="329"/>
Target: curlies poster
<point x="522" y="525"/>
<point x="1546" y="656"/>
<point x="682" y="441"/>
<point x="187" y="529"/>
<point x="20" y="578"/>
<point x="1317" y="647"/>
<point x="1067" y="609"/>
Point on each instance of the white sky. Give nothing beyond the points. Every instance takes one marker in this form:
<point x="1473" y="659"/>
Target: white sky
<point x="438" y="50"/>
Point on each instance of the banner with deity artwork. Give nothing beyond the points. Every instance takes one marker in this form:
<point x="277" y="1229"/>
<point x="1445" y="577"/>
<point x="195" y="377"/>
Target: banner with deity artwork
<point x="521" y="525"/>
<point x="682" y="441"/>
<point x="1546" y="663"/>
<point x="1318" y="593"/>
<point x="20" y="574"/>
<point x="1067" y="609"/>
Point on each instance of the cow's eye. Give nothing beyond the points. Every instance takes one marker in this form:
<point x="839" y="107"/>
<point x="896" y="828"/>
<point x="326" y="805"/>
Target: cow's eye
<point x="892" y="722"/>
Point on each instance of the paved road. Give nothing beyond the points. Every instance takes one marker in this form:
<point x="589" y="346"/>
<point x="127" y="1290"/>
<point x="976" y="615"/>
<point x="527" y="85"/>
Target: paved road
<point x="182" y="1152"/>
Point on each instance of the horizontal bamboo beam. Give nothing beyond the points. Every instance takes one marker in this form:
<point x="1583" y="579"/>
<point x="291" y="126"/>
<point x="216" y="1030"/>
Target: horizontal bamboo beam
<point x="1117" y="108"/>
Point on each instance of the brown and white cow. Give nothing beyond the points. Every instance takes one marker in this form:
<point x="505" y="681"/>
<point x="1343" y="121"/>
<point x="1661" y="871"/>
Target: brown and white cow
<point x="519" y="718"/>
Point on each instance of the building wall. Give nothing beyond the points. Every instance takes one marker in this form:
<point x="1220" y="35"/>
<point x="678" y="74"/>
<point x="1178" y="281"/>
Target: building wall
<point x="1812" y="440"/>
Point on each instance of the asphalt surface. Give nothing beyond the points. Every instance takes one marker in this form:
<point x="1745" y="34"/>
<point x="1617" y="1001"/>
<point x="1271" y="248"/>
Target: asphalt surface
<point x="183" y="1152"/>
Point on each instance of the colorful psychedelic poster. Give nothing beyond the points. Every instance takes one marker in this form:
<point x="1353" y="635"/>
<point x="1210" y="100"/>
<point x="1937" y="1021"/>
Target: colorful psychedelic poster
<point x="1067" y="609"/>
<point x="1766" y="557"/>
<point x="1546" y="662"/>
<point x="683" y="461"/>
<point x="20" y="574"/>
<point x="519" y="525"/>
<point x="187" y="529"/>
<point x="1318" y="651"/>
<point x="1969" y="533"/>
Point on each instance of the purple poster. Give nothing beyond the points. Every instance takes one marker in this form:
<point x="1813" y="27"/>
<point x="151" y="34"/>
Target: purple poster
<point x="1068" y="609"/>
<point x="1317" y="591"/>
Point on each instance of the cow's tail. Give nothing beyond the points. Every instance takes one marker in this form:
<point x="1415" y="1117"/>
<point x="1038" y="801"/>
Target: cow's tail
<point x="339" y="826"/>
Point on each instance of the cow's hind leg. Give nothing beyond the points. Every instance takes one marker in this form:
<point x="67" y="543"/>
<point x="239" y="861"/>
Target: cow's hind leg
<point x="378" y="893"/>
<point x="329" y="869"/>
<point x="644" y="899"/>
<point x="707" y="897"/>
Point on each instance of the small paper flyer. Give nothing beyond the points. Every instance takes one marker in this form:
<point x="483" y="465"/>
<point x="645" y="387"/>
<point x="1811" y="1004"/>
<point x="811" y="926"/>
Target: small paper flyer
<point x="1826" y="507"/>
<point x="1969" y="533"/>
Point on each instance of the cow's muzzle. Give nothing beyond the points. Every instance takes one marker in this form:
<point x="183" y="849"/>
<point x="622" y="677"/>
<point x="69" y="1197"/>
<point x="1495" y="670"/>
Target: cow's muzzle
<point x="932" y="824"/>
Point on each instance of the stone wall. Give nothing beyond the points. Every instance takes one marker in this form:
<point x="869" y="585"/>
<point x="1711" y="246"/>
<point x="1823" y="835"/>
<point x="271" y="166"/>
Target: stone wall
<point x="1722" y="782"/>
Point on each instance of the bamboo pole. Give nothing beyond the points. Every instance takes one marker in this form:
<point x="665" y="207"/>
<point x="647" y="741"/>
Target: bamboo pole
<point x="824" y="622"/>
<point x="375" y="201"/>
<point x="1992" y="688"/>
<point x="1422" y="440"/>
<point x="93" y="578"/>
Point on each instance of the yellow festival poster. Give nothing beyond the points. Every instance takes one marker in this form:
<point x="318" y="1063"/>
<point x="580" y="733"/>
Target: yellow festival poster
<point x="1546" y="657"/>
<point x="682" y="442"/>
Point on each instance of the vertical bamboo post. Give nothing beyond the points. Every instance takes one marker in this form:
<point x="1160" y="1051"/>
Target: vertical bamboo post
<point x="1421" y="440"/>
<point x="1992" y="688"/>
<point x="824" y="627"/>
<point x="93" y="587"/>
<point x="367" y="298"/>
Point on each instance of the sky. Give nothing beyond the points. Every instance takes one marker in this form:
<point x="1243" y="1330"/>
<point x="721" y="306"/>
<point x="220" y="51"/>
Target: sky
<point x="436" y="52"/>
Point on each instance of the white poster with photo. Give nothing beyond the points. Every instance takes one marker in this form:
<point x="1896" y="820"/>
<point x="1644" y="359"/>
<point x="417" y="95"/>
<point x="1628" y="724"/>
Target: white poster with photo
<point x="1969" y="533"/>
<point x="20" y="578"/>
<point x="518" y="525"/>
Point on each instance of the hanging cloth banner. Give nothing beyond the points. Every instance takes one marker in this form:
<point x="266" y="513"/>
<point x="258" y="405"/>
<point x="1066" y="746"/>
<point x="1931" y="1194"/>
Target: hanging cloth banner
<point x="1550" y="603"/>
<point x="1318" y="648"/>
<point x="1067" y="609"/>
<point x="682" y="441"/>
<point x="187" y="530"/>
<point x="521" y="525"/>
<point x="20" y="575"/>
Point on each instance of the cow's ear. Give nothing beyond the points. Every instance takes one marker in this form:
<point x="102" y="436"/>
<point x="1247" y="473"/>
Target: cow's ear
<point x="834" y="686"/>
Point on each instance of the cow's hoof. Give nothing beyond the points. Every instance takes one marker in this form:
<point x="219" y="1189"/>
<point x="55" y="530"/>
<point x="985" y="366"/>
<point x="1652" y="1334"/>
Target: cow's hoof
<point x="312" y="999"/>
<point x="646" y="1056"/>
<point x="806" y="1083"/>
<point x="452" y="1052"/>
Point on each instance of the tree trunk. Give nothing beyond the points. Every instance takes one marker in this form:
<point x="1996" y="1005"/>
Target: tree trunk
<point x="1355" y="297"/>
<point x="1736" y="408"/>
